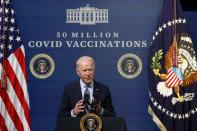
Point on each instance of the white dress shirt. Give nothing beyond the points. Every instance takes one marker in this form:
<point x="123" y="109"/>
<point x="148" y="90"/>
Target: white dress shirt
<point x="83" y="88"/>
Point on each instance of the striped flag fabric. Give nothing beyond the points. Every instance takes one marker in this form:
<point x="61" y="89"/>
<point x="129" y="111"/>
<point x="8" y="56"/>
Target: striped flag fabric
<point x="14" y="98"/>
<point x="174" y="78"/>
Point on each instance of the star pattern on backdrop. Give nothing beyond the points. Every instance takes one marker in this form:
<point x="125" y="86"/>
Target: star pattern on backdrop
<point x="173" y="115"/>
<point x="166" y="25"/>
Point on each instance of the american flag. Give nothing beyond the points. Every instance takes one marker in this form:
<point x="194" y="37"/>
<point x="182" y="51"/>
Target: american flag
<point x="14" y="98"/>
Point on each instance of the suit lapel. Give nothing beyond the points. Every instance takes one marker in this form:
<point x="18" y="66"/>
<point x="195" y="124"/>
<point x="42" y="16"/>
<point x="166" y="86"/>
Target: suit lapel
<point x="78" y="92"/>
<point x="96" y="91"/>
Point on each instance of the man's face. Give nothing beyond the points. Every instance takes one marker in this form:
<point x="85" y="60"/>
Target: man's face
<point x="85" y="71"/>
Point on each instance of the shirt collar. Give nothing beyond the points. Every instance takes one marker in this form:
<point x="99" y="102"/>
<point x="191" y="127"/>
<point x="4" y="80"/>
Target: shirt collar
<point x="83" y="84"/>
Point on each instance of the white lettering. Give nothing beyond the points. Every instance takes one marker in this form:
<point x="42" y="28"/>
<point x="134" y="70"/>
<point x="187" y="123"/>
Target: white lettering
<point x="106" y="44"/>
<point x="45" y="44"/>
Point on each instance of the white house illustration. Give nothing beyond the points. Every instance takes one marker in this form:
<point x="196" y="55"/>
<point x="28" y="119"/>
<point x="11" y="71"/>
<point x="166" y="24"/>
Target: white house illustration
<point x="87" y="15"/>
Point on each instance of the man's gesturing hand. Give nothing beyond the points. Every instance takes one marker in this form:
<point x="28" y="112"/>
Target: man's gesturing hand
<point x="79" y="107"/>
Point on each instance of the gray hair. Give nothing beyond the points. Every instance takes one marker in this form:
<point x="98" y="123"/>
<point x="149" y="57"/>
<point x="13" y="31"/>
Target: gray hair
<point x="82" y="58"/>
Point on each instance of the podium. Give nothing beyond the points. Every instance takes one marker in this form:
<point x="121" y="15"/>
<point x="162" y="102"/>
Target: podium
<point x="109" y="124"/>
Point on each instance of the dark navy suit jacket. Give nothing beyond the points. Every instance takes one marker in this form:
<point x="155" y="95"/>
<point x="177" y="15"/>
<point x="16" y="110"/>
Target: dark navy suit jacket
<point x="72" y="94"/>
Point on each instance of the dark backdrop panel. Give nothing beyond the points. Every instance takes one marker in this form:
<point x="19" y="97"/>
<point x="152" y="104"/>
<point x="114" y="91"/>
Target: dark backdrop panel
<point x="189" y="5"/>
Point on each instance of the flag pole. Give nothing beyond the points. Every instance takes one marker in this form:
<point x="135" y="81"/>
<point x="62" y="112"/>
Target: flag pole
<point x="175" y="52"/>
<point x="3" y="70"/>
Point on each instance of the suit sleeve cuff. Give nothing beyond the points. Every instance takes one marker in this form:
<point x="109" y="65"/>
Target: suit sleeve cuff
<point x="72" y="113"/>
<point x="101" y="112"/>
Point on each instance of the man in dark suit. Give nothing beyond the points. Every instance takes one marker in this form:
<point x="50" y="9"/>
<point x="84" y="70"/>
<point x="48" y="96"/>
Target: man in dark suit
<point x="72" y="104"/>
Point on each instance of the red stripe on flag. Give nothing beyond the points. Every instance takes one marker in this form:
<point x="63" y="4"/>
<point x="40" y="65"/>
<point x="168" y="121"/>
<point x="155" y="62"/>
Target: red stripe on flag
<point x="18" y="90"/>
<point x="2" y="124"/>
<point x="21" y="60"/>
<point x="170" y="78"/>
<point x="174" y="82"/>
<point x="11" y="110"/>
<point x="170" y="73"/>
<point x="170" y="83"/>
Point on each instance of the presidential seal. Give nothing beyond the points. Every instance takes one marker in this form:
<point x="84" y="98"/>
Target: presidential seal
<point x="129" y="65"/>
<point x="42" y="66"/>
<point x="90" y="122"/>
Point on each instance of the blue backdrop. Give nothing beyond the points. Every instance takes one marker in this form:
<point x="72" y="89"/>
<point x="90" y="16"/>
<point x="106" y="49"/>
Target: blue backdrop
<point x="133" y="20"/>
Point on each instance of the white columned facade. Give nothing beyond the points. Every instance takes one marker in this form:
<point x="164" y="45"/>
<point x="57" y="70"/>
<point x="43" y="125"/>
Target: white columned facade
<point x="87" y="15"/>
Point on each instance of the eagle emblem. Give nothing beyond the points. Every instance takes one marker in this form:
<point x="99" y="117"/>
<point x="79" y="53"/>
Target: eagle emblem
<point x="180" y="69"/>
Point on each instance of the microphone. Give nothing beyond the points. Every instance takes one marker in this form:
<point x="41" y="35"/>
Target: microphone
<point x="96" y="107"/>
<point x="86" y="99"/>
<point x="87" y="103"/>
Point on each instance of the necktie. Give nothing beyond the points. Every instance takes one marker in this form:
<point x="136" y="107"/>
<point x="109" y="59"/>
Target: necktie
<point x="87" y="90"/>
<point x="87" y="108"/>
